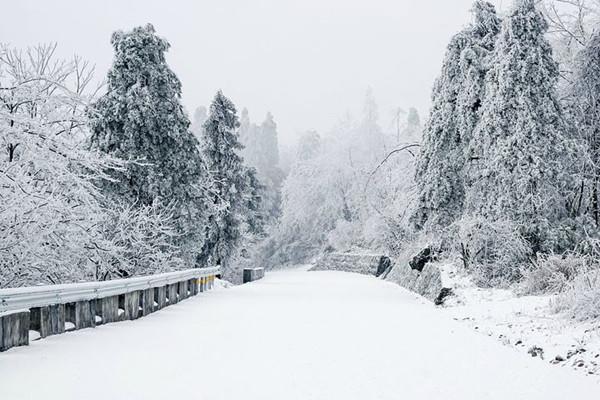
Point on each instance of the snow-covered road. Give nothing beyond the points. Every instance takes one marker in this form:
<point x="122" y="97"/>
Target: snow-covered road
<point x="294" y="335"/>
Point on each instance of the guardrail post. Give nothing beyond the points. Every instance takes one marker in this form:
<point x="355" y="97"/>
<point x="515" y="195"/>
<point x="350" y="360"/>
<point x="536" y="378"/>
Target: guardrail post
<point x="193" y="284"/>
<point x="14" y="330"/>
<point x="131" y="305"/>
<point x="108" y="309"/>
<point x="172" y="293"/>
<point x="82" y="314"/>
<point x="160" y="297"/>
<point x="147" y="302"/>
<point x="48" y="320"/>
<point x="182" y="290"/>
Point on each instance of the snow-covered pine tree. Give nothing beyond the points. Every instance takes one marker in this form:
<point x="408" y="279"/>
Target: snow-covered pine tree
<point x="457" y="97"/>
<point x="270" y="145"/>
<point x="245" y="131"/>
<point x="255" y="215"/>
<point x="269" y="172"/>
<point x="141" y="119"/>
<point x="309" y="146"/>
<point x="369" y="141"/>
<point x="585" y="109"/>
<point x="413" y="125"/>
<point x="220" y="146"/>
<point x="261" y="152"/>
<point x="518" y="148"/>
<point x="200" y="116"/>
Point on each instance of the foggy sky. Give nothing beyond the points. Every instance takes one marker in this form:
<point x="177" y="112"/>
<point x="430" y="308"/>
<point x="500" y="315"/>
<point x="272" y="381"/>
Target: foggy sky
<point x="306" y="61"/>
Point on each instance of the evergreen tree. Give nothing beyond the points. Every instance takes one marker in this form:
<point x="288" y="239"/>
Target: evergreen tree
<point x="270" y="145"/>
<point x="245" y="131"/>
<point x="585" y="107"/>
<point x="261" y="148"/>
<point x="413" y="120"/>
<point x="370" y="146"/>
<point x="457" y="98"/>
<point x="200" y="116"/>
<point x="519" y="148"/>
<point x="412" y="130"/>
<point x="141" y="119"/>
<point x="309" y="146"/>
<point x="261" y="152"/>
<point x="255" y="216"/>
<point x="220" y="146"/>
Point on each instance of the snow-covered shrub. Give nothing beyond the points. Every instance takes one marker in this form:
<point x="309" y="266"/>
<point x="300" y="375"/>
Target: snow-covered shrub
<point x="580" y="294"/>
<point x="586" y="296"/>
<point x="386" y="234"/>
<point x="49" y="202"/>
<point x="494" y="251"/>
<point x="345" y="236"/>
<point x="135" y="240"/>
<point x="582" y="299"/>
<point x="552" y="273"/>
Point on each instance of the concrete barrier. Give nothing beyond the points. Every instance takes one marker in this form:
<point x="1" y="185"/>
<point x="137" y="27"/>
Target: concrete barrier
<point x="253" y="274"/>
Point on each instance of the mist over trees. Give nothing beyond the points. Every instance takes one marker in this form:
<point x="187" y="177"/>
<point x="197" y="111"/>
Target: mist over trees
<point x="339" y="194"/>
<point x="505" y="175"/>
<point x="261" y="151"/>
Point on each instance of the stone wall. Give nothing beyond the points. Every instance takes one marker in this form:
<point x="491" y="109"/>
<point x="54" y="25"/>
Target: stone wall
<point x="360" y="263"/>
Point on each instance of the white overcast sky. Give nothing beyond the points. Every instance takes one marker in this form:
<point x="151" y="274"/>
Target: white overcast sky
<point x="306" y="61"/>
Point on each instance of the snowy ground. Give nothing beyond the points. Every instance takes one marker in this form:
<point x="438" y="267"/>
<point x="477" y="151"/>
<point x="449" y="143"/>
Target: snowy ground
<point x="294" y="335"/>
<point x="527" y="324"/>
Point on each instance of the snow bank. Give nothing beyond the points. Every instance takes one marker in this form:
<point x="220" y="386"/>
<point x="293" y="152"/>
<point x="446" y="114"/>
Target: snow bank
<point x="528" y="324"/>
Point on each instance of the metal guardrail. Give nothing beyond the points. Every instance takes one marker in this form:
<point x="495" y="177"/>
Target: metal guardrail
<point x="41" y="296"/>
<point x="49" y="309"/>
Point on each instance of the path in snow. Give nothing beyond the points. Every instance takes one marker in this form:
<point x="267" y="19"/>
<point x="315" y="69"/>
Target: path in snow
<point x="294" y="335"/>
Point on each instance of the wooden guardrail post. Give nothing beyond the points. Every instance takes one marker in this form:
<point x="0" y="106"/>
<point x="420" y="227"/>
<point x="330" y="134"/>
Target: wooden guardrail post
<point x="193" y="284"/>
<point x="160" y="297"/>
<point x="147" y="302"/>
<point x="172" y="293"/>
<point x="182" y="289"/>
<point x="131" y="305"/>
<point x="81" y="314"/>
<point x="108" y="308"/>
<point x="14" y="330"/>
<point x="48" y="320"/>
